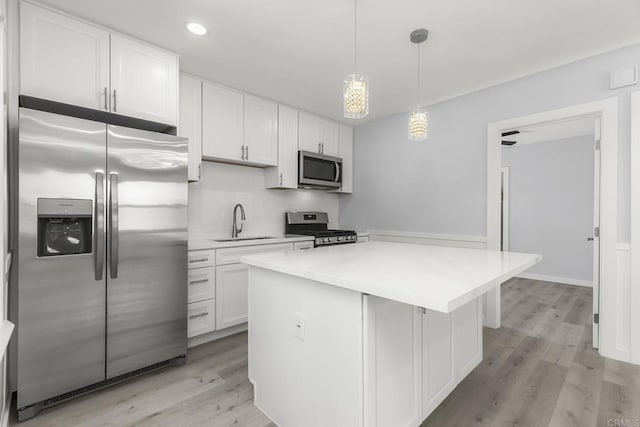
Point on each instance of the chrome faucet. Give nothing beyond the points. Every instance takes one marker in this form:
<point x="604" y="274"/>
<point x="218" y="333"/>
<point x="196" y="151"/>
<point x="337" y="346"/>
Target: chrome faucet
<point x="235" y="231"/>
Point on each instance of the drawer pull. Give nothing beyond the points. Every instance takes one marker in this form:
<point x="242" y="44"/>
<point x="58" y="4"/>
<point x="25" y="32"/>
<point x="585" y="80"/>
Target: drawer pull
<point x="198" y="281"/>
<point x="198" y="260"/>
<point x="204" y="313"/>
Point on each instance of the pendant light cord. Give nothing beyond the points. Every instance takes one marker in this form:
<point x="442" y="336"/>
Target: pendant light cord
<point x="418" y="92"/>
<point x="355" y="36"/>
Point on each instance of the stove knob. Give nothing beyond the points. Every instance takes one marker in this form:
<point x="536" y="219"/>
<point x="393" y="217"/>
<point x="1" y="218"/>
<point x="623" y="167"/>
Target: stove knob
<point x="339" y="238"/>
<point x="326" y="240"/>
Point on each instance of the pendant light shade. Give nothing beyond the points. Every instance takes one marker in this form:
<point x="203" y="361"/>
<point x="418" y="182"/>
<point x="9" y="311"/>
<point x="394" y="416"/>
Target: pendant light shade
<point x="418" y="125"/>
<point x="356" y="96"/>
<point x="355" y="93"/>
<point x="418" y="120"/>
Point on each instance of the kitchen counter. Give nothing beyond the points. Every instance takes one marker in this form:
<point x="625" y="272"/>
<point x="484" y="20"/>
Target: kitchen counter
<point x="367" y="334"/>
<point x="434" y="277"/>
<point x="200" y="244"/>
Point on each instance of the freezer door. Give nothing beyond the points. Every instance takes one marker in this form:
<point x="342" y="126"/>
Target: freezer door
<point x="61" y="289"/>
<point x="146" y="250"/>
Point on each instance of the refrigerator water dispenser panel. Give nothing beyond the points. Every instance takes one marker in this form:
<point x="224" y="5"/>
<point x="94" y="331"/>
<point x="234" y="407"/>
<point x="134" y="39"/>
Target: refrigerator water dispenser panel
<point x="64" y="227"/>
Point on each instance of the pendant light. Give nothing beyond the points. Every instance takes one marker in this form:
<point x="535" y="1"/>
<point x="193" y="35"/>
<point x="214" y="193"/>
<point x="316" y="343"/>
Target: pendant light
<point x="418" y="121"/>
<point x="356" y="87"/>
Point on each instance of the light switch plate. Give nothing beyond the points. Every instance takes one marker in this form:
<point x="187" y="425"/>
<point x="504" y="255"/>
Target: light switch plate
<point x="299" y="333"/>
<point x="624" y="76"/>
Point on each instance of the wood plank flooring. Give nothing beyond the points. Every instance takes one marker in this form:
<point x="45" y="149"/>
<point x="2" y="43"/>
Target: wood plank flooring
<point x="538" y="370"/>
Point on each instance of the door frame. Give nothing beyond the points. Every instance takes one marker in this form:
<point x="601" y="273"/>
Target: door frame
<point x="635" y="227"/>
<point x="607" y="111"/>
<point x="505" y="217"/>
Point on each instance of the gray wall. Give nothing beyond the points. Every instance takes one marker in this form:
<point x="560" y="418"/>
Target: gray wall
<point x="439" y="185"/>
<point x="551" y="204"/>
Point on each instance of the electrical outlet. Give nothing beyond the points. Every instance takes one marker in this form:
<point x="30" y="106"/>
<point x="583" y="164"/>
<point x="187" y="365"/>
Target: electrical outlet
<point x="299" y="333"/>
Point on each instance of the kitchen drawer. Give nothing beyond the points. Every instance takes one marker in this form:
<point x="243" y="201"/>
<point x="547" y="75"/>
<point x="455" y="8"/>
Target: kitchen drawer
<point x="303" y="245"/>
<point x="233" y="255"/>
<point x="201" y="317"/>
<point x="202" y="284"/>
<point x="202" y="258"/>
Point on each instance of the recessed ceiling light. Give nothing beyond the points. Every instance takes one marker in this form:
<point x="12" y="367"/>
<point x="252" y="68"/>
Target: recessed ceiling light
<point x="197" y="29"/>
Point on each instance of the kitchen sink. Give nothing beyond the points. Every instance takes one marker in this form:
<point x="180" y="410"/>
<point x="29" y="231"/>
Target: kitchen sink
<point x="241" y="239"/>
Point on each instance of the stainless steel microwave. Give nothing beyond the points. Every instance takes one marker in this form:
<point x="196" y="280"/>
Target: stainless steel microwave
<point x="319" y="171"/>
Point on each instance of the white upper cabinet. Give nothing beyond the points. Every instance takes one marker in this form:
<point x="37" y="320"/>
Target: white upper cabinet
<point x="346" y="153"/>
<point x="329" y="137"/>
<point x="144" y="81"/>
<point x="222" y="123"/>
<point x="260" y="131"/>
<point x="190" y="125"/>
<point x="67" y="60"/>
<point x="63" y="59"/>
<point x="285" y="175"/>
<point x="309" y="136"/>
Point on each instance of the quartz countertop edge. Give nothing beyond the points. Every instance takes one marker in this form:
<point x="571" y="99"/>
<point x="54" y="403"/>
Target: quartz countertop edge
<point x="289" y="263"/>
<point x="210" y="243"/>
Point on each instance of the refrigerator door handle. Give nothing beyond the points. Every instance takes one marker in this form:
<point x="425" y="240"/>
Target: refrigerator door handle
<point x="113" y="226"/>
<point x="98" y="251"/>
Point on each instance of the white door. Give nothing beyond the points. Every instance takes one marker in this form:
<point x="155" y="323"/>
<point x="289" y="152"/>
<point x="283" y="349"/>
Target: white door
<point x="346" y="153"/>
<point x="596" y="235"/>
<point x="309" y="128"/>
<point x="190" y="124"/>
<point x="222" y="123"/>
<point x="232" y="285"/>
<point x="392" y="363"/>
<point x="144" y="81"/>
<point x="260" y="131"/>
<point x="330" y="138"/>
<point x="62" y="59"/>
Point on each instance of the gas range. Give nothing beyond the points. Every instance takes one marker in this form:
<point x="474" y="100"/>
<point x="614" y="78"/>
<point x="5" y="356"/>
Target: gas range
<point x="316" y="224"/>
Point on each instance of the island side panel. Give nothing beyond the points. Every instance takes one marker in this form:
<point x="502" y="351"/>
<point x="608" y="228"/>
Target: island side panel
<point x="314" y="379"/>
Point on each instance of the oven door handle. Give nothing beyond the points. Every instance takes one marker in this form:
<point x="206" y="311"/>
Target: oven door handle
<point x="337" y="171"/>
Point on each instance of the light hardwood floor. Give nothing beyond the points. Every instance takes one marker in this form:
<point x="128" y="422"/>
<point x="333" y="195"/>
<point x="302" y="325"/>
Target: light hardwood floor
<point x="539" y="369"/>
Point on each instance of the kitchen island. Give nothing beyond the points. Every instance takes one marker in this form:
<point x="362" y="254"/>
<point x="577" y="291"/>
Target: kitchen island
<point x="367" y="334"/>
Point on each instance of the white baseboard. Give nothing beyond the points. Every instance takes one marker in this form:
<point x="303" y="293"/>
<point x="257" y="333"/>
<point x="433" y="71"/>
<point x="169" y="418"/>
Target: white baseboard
<point x="555" y="279"/>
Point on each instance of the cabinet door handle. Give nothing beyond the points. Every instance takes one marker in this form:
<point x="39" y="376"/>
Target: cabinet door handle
<point x="319" y="147"/>
<point x="199" y="172"/>
<point x="280" y="179"/>
<point x="246" y="150"/>
<point x="204" y="313"/>
<point x="194" y="282"/>
<point x="242" y="151"/>
<point x="191" y="261"/>
<point x="106" y="99"/>
<point x="115" y="100"/>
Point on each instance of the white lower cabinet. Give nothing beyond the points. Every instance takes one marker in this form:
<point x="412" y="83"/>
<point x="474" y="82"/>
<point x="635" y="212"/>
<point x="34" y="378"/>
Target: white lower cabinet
<point x="202" y="284"/>
<point x="392" y="364"/>
<point x="467" y="337"/>
<point x="232" y="283"/>
<point x="201" y="318"/>
<point x="414" y="358"/>
<point x="438" y="376"/>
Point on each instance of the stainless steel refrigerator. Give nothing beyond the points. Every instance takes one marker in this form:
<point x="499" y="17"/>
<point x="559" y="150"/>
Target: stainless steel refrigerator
<point x="102" y="253"/>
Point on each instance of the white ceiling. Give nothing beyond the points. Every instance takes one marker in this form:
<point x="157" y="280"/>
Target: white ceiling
<point x="552" y="132"/>
<point x="299" y="51"/>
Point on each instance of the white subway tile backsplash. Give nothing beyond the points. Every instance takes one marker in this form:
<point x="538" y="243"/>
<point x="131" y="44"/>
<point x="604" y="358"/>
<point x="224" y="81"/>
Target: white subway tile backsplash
<point x="211" y="202"/>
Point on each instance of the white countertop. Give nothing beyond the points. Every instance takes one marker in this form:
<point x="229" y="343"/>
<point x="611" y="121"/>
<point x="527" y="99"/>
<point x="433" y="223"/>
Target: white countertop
<point x="210" y="243"/>
<point x="434" y="277"/>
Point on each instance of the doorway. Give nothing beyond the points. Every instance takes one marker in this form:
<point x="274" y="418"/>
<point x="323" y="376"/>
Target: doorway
<point x="606" y="111"/>
<point x="550" y="201"/>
